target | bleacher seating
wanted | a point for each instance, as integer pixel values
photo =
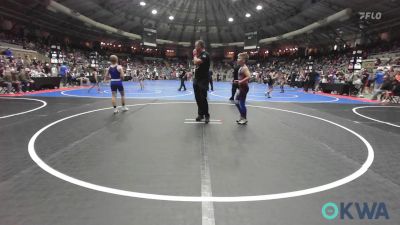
(386, 55)
(19, 51)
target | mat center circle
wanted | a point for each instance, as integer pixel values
(364, 168)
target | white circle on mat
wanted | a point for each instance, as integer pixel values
(24, 112)
(272, 99)
(280, 97)
(138, 93)
(370, 118)
(129, 97)
(363, 169)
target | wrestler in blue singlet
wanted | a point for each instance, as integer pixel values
(116, 82)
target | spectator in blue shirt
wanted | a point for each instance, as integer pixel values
(63, 73)
(8, 53)
(379, 79)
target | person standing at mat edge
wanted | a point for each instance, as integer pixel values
(201, 59)
(182, 77)
(64, 73)
(210, 79)
(116, 74)
(243, 83)
(234, 85)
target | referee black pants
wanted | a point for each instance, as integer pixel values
(211, 84)
(182, 85)
(200, 93)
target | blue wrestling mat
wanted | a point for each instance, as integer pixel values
(168, 90)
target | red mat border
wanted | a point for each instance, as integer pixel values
(348, 97)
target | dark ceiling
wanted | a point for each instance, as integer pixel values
(206, 19)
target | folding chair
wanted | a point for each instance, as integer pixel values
(394, 98)
(3, 89)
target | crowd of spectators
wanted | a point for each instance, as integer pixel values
(16, 73)
(379, 80)
(330, 68)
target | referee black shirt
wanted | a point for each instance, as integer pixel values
(201, 74)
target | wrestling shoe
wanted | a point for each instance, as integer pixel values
(124, 108)
(199, 118)
(242, 122)
(241, 118)
(116, 111)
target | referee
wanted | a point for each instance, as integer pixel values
(201, 59)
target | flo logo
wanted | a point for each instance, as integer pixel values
(355, 210)
(370, 15)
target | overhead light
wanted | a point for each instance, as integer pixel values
(259, 7)
(171, 18)
(230, 19)
(154, 12)
(142, 3)
(248, 15)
